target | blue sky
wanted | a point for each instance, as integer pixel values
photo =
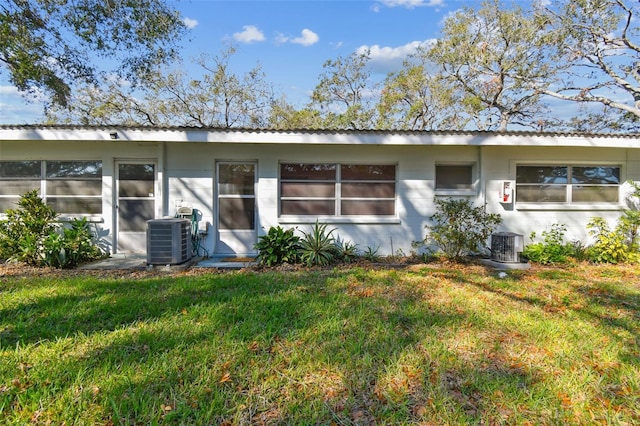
(291, 40)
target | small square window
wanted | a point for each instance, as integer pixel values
(454, 177)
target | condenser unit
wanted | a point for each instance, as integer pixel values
(506, 247)
(168, 241)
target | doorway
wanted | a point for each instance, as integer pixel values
(135, 204)
(236, 207)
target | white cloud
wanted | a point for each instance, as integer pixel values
(307, 38)
(190, 23)
(250, 34)
(17, 109)
(410, 4)
(8, 90)
(281, 38)
(388, 59)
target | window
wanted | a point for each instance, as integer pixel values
(69, 187)
(454, 177)
(567, 184)
(17, 178)
(337, 189)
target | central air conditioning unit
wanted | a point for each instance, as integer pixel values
(506, 247)
(168, 241)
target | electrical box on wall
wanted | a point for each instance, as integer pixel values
(506, 191)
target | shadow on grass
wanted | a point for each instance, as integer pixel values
(614, 306)
(246, 347)
(258, 319)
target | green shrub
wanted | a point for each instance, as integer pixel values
(552, 249)
(346, 251)
(629, 223)
(459, 229)
(23, 231)
(371, 254)
(611, 245)
(70, 246)
(318, 246)
(278, 246)
(30, 234)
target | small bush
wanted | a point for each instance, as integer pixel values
(371, 254)
(318, 246)
(346, 251)
(23, 231)
(30, 234)
(552, 249)
(460, 229)
(611, 245)
(278, 246)
(70, 246)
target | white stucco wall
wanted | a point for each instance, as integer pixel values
(186, 172)
(499, 163)
(109, 152)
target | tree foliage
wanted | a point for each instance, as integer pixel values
(342, 95)
(458, 228)
(598, 54)
(217, 98)
(49, 45)
(414, 99)
(491, 55)
(494, 67)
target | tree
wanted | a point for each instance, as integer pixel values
(493, 56)
(411, 99)
(49, 45)
(342, 94)
(226, 99)
(218, 98)
(284, 115)
(598, 51)
(112, 104)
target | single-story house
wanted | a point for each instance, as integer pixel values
(377, 188)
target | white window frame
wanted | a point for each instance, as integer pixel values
(569, 204)
(472, 189)
(338, 217)
(41, 182)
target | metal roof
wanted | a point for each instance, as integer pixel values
(317, 131)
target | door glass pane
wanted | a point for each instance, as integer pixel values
(238, 179)
(134, 214)
(136, 180)
(236, 213)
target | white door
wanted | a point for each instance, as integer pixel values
(135, 204)
(236, 208)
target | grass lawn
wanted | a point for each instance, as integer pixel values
(425, 344)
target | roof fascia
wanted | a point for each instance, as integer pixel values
(184, 135)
